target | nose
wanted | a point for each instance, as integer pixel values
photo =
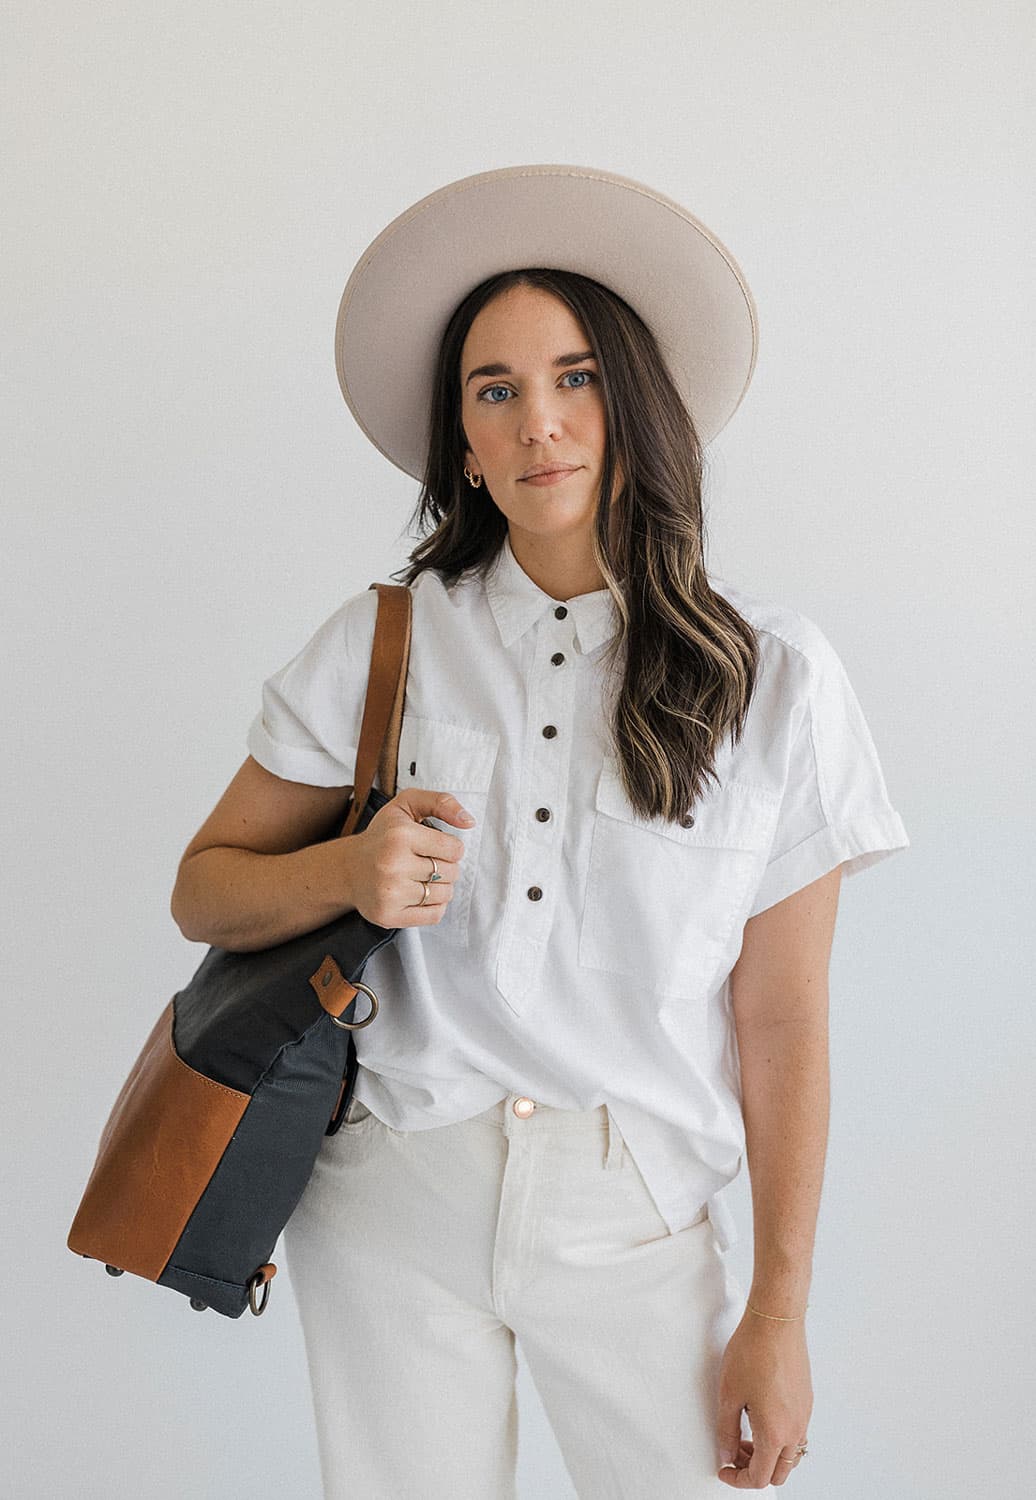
(541, 417)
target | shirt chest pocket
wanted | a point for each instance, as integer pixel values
(457, 758)
(662, 900)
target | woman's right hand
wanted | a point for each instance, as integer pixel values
(396, 845)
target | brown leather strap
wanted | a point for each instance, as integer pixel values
(378, 749)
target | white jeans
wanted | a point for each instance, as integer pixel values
(417, 1258)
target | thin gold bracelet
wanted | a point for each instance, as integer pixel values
(773, 1316)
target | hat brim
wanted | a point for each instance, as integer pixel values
(667, 265)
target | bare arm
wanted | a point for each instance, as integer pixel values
(262, 867)
(253, 876)
(779, 994)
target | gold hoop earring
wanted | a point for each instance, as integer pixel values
(473, 479)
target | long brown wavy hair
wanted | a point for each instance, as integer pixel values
(690, 659)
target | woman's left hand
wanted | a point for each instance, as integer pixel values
(765, 1371)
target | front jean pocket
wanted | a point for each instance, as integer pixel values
(458, 758)
(661, 898)
(356, 1115)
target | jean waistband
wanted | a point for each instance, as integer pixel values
(547, 1118)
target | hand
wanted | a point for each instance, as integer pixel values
(394, 852)
(765, 1372)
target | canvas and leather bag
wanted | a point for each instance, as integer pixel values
(215, 1132)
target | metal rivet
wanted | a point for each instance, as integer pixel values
(325, 979)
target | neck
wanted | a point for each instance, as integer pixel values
(562, 567)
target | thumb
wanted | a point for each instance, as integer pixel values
(728, 1434)
(421, 804)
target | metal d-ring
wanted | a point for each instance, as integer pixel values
(254, 1283)
(356, 1025)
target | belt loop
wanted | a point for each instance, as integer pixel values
(614, 1156)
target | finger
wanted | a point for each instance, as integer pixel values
(760, 1470)
(445, 872)
(442, 805)
(433, 893)
(786, 1464)
(739, 1478)
(435, 841)
(754, 1470)
(743, 1458)
(446, 851)
(728, 1432)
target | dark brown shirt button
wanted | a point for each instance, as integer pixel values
(560, 612)
(534, 893)
(687, 820)
(542, 814)
(549, 731)
(557, 658)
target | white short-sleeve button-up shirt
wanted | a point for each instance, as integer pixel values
(585, 955)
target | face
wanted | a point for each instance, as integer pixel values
(528, 411)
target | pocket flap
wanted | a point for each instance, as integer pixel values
(446, 757)
(734, 815)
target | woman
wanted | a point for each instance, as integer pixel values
(626, 794)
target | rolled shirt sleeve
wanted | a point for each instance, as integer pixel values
(308, 728)
(835, 808)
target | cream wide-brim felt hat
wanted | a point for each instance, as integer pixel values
(664, 262)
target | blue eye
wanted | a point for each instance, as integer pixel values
(590, 378)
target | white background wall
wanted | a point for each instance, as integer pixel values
(185, 497)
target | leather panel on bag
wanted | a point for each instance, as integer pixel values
(147, 1180)
(331, 987)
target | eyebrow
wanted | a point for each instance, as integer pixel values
(562, 360)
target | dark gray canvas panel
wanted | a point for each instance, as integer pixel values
(265, 1168)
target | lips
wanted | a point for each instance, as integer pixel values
(550, 469)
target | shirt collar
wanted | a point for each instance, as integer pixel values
(518, 602)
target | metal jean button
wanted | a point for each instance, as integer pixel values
(523, 1107)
